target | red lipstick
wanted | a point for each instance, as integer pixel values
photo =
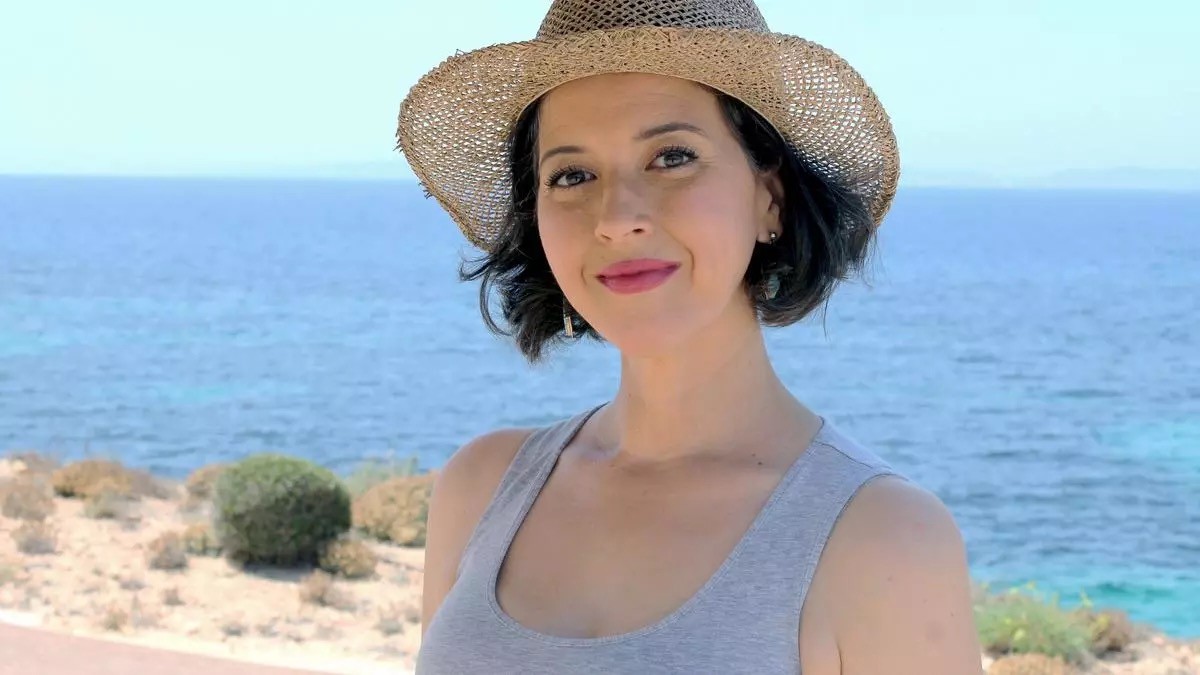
(637, 275)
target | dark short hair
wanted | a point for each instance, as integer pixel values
(826, 237)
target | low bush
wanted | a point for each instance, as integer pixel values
(278, 510)
(171, 597)
(1022, 621)
(26, 498)
(88, 477)
(34, 462)
(349, 558)
(109, 499)
(199, 484)
(36, 538)
(115, 618)
(396, 510)
(1111, 629)
(319, 588)
(167, 552)
(200, 539)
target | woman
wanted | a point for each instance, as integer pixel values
(669, 177)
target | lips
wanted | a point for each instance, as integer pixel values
(636, 275)
(636, 266)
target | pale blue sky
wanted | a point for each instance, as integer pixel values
(1000, 89)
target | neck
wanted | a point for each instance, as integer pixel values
(714, 395)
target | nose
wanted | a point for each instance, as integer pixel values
(623, 210)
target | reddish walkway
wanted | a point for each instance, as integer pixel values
(30, 651)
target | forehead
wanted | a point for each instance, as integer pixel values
(616, 101)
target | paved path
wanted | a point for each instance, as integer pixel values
(33, 651)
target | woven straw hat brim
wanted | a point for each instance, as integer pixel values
(454, 124)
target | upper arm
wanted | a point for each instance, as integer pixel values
(903, 585)
(461, 493)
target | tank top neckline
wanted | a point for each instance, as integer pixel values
(573, 426)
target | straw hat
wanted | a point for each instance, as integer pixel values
(454, 123)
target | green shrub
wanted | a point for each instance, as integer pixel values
(278, 510)
(396, 510)
(1021, 621)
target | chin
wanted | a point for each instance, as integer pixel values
(646, 337)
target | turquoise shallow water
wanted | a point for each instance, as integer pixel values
(1030, 357)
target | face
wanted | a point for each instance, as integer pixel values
(635, 166)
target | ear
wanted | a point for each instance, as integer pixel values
(768, 203)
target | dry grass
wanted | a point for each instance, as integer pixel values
(349, 558)
(167, 552)
(200, 483)
(393, 618)
(319, 588)
(233, 627)
(89, 477)
(36, 538)
(26, 498)
(1112, 630)
(201, 539)
(1030, 664)
(109, 503)
(171, 597)
(131, 583)
(35, 462)
(115, 617)
(142, 617)
(395, 510)
(10, 573)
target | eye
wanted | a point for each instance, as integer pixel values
(571, 173)
(676, 155)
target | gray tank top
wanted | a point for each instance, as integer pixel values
(745, 619)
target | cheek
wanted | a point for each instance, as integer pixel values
(563, 250)
(714, 221)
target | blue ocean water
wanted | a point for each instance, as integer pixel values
(1031, 357)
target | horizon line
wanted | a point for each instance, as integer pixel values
(1132, 179)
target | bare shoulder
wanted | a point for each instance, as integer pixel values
(462, 490)
(478, 464)
(893, 515)
(897, 566)
(465, 485)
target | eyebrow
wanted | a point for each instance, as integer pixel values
(643, 135)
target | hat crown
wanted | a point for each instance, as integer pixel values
(577, 16)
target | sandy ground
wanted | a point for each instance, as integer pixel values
(98, 584)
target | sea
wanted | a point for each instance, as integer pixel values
(1031, 357)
